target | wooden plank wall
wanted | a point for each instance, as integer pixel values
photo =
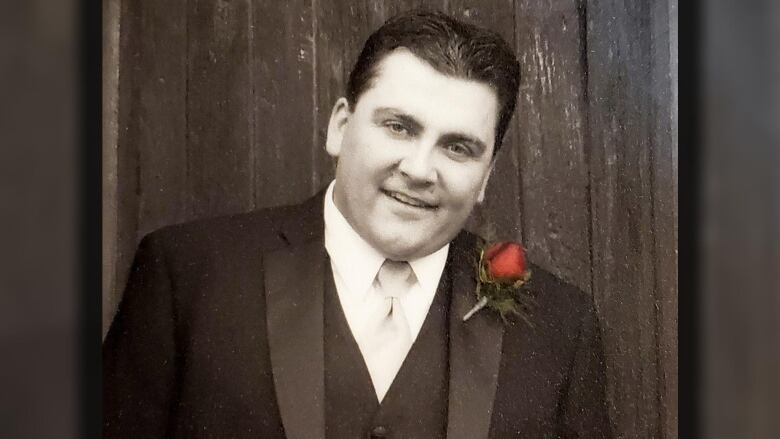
(223, 106)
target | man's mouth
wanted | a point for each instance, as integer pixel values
(409, 200)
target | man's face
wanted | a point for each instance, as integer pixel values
(414, 156)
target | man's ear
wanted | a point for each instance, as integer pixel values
(339, 118)
(481, 195)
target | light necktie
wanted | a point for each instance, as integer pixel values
(388, 339)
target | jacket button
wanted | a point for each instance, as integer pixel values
(378, 432)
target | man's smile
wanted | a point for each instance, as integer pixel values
(410, 200)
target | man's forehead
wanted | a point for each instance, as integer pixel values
(409, 84)
(401, 67)
(401, 61)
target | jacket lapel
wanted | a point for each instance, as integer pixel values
(294, 282)
(475, 350)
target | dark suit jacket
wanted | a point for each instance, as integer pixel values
(220, 334)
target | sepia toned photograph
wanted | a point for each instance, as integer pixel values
(398, 219)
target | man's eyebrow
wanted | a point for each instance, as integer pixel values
(414, 125)
(395, 113)
(465, 138)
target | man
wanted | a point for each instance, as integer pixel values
(342, 317)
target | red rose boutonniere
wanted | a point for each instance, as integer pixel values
(501, 274)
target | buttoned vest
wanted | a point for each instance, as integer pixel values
(416, 403)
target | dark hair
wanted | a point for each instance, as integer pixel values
(452, 48)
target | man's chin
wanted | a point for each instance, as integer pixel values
(405, 250)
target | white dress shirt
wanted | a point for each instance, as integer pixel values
(355, 264)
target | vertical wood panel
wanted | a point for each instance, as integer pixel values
(281, 76)
(110, 223)
(219, 107)
(552, 128)
(500, 213)
(623, 246)
(341, 30)
(664, 177)
(130, 73)
(162, 178)
(150, 183)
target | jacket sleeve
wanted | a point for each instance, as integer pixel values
(139, 351)
(585, 412)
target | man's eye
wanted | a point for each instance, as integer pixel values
(397, 128)
(459, 149)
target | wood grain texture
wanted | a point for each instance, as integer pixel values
(500, 214)
(552, 127)
(282, 46)
(665, 214)
(110, 218)
(128, 130)
(623, 245)
(162, 159)
(150, 182)
(220, 171)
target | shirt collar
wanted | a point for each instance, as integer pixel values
(358, 262)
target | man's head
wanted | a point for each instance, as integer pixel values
(452, 48)
(416, 135)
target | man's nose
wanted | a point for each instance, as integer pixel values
(418, 165)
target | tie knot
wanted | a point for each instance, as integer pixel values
(394, 277)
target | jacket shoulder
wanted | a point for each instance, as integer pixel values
(561, 309)
(260, 230)
(558, 293)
